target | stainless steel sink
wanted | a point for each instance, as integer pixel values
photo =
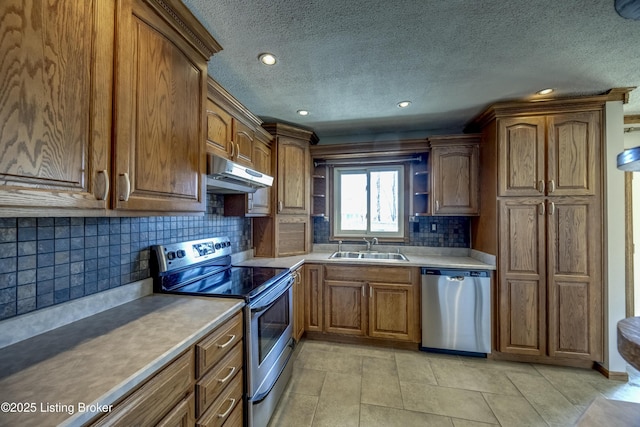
(369, 255)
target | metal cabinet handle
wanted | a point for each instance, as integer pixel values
(231, 338)
(228, 411)
(370, 292)
(552, 186)
(126, 185)
(225, 379)
(238, 150)
(103, 185)
(233, 149)
(363, 290)
(542, 208)
(279, 206)
(552, 208)
(437, 205)
(541, 186)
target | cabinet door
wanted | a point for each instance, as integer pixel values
(159, 112)
(292, 235)
(313, 301)
(574, 277)
(521, 147)
(573, 154)
(455, 180)
(298, 304)
(219, 130)
(180, 416)
(243, 137)
(260, 203)
(521, 268)
(344, 307)
(293, 176)
(391, 311)
(55, 107)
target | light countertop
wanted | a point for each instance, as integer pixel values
(101, 358)
(415, 260)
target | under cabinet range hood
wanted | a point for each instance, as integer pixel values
(227, 177)
(629, 160)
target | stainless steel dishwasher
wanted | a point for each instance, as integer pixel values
(456, 311)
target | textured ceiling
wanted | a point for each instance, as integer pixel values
(349, 62)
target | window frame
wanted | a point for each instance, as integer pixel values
(338, 234)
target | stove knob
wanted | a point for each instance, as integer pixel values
(171, 255)
(217, 245)
(180, 253)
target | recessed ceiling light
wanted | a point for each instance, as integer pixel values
(544, 91)
(303, 112)
(404, 104)
(267, 59)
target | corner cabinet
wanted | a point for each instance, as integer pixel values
(288, 231)
(542, 166)
(120, 123)
(454, 170)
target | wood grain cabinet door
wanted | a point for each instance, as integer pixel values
(573, 154)
(521, 148)
(293, 176)
(345, 307)
(521, 267)
(260, 201)
(160, 114)
(313, 297)
(574, 278)
(219, 130)
(55, 106)
(455, 180)
(391, 311)
(243, 137)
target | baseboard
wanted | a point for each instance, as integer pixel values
(615, 376)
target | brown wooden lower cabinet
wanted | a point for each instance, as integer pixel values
(313, 297)
(202, 387)
(372, 301)
(298, 303)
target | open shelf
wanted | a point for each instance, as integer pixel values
(420, 187)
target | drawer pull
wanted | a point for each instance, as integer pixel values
(231, 338)
(228, 411)
(225, 379)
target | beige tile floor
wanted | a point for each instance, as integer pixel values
(351, 385)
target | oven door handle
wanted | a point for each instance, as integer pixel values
(259, 398)
(272, 301)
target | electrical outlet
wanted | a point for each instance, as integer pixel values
(434, 227)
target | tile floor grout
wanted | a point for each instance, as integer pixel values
(434, 389)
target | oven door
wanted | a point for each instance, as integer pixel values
(270, 337)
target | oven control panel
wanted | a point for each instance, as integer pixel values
(177, 255)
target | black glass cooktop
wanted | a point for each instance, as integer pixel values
(234, 282)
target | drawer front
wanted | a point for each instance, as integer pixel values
(214, 347)
(214, 381)
(222, 409)
(235, 419)
(371, 273)
(151, 402)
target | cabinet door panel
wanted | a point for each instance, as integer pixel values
(55, 105)
(293, 176)
(455, 180)
(344, 307)
(573, 141)
(261, 199)
(243, 137)
(391, 311)
(313, 298)
(159, 115)
(218, 130)
(574, 277)
(521, 146)
(521, 268)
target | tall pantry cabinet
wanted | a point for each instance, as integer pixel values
(542, 168)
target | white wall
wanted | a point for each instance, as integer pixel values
(615, 250)
(632, 139)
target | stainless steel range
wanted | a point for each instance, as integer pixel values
(203, 268)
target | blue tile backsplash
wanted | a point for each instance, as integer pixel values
(452, 232)
(47, 261)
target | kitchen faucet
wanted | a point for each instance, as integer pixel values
(373, 241)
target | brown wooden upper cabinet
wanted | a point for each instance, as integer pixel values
(58, 153)
(454, 169)
(552, 155)
(293, 176)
